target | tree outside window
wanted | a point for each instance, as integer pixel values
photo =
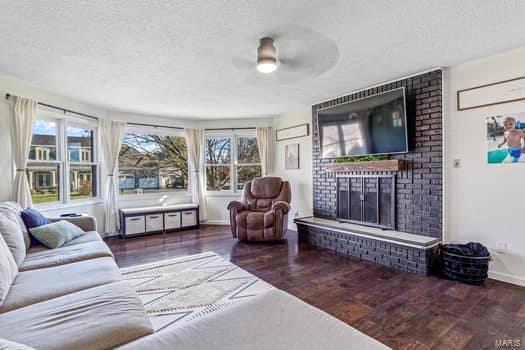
(152, 163)
(228, 168)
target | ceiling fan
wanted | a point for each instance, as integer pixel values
(298, 54)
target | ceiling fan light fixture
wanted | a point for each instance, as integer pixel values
(266, 56)
(266, 67)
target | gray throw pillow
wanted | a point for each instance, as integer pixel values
(14, 238)
(8, 269)
(56, 234)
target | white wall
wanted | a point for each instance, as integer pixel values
(217, 204)
(300, 179)
(484, 203)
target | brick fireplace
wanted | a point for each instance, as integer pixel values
(419, 182)
(408, 200)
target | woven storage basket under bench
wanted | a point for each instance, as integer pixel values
(158, 219)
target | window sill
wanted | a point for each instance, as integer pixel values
(136, 196)
(72, 204)
(222, 194)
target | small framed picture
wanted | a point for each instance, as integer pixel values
(292, 156)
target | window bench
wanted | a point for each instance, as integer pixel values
(158, 219)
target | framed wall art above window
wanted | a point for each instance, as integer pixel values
(292, 132)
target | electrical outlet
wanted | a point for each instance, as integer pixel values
(457, 163)
(501, 247)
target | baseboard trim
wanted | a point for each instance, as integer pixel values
(505, 277)
(215, 222)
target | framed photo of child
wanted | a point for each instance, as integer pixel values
(506, 138)
(292, 156)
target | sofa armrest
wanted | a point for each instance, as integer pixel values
(237, 205)
(86, 223)
(281, 205)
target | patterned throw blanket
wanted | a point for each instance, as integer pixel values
(185, 289)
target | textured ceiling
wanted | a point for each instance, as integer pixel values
(191, 58)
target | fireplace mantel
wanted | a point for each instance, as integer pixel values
(372, 165)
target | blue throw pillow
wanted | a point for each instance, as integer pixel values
(33, 218)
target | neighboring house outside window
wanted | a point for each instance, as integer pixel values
(152, 162)
(231, 161)
(48, 170)
(83, 168)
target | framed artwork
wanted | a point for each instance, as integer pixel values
(292, 156)
(506, 138)
(292, 132)
(491, 94)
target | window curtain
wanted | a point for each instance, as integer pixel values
(24, 115)
(264, 144)
(111, 133)
(195, 143)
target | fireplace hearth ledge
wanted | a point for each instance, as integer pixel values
(400, 250)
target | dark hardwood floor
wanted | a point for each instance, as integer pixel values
(401, 310)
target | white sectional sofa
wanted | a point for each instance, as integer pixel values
(74, 297)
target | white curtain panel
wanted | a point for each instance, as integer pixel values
(195, 143)
(24, 115)
(264, 144)
(111, 133)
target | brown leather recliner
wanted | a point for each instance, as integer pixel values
(263, 213)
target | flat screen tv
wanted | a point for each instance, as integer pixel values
(368, 126)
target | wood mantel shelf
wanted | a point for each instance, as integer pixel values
(372, 165)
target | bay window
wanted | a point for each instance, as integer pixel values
(153, 162)
(230, 162)
(82, 165)
(63, 151)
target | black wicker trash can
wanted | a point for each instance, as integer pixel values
(467, 263)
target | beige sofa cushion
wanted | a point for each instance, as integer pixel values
(90, 236)
(97, 318)
(86, 223)
(12, 234)
(8, 270)
(13, 229)
(12, 210)
(270, 320)
(65, 255)
(11, 345)
(30, 287)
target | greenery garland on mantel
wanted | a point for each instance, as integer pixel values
(362, 158)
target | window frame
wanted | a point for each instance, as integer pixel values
(95, 158)
(62, 157)
(234, 160)
(162, 132)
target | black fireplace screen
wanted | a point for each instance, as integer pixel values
(367, 199)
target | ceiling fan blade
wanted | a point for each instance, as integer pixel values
(242, 63)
